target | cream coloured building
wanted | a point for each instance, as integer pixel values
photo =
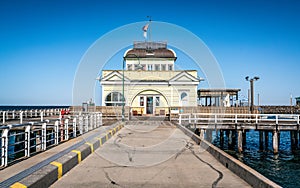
(151, 84)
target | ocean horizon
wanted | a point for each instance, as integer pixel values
(30, 107)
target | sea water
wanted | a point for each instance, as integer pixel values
(282, 168)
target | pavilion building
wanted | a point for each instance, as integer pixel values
(149, 82)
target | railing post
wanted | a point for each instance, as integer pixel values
(66, 129)
(44, 136)
(298, 119)
(80, 125)
(195, 118)
(91, 122)
(13, 114)
(4, 150)
(98, 119)
(235, 118)
(256, 118)
(42, 116)
(216, 121)
(276, 119)
(102, 116)
(86, 118)
(179, 119)
(35, 113)
(190, 120)
(74, 126)
(27, 141)
(56, 125)
(26, 114)
(3, 115)
(21, 117)
(95, 120)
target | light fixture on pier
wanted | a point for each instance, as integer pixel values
(251, 80)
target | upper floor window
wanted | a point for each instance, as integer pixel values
(129, 67)
(149, 68)
(157, 68)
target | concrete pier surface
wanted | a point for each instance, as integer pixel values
(150, 154)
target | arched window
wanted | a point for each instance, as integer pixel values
(184, 99)
(114, 99)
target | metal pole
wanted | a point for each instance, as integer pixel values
(252, 96)
(123, 98)
(251, 80)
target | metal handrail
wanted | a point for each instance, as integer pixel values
(236, 118)
(34, 113)
(23, 140)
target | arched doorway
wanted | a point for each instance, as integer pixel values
(149, 102)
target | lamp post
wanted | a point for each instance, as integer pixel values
(251, 80)
(123, 92)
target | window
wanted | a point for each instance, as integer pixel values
(163, 67)
(129, 67)
(143, 67)
(183, 96)
(149, 67)
(157, 101)
(114, 99)
(170, 67)
(142, 101)
(137, 67)
(157, 67)
(184, 99)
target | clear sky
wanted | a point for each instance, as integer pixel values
(42, 42)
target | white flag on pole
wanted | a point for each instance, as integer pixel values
(145, 29)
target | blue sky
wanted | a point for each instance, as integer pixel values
(42, 42)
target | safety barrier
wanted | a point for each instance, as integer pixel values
(54, 170)
(25, 139)
(216, 118)
(21, 114)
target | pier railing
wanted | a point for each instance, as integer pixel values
(220, 118)
(22, 140)
(21, 114)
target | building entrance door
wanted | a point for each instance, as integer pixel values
(149, 106)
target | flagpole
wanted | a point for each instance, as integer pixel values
(149, 28)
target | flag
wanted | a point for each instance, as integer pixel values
(145, 28)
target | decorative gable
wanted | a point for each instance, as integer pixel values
(184, 78)
(114, 77)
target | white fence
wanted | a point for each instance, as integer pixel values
(219, 118)
(20, 114)
(24, 139)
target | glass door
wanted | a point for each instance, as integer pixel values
(149, 105)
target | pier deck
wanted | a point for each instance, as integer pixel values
(148, 154)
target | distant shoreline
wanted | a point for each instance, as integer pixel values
(30, 107)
